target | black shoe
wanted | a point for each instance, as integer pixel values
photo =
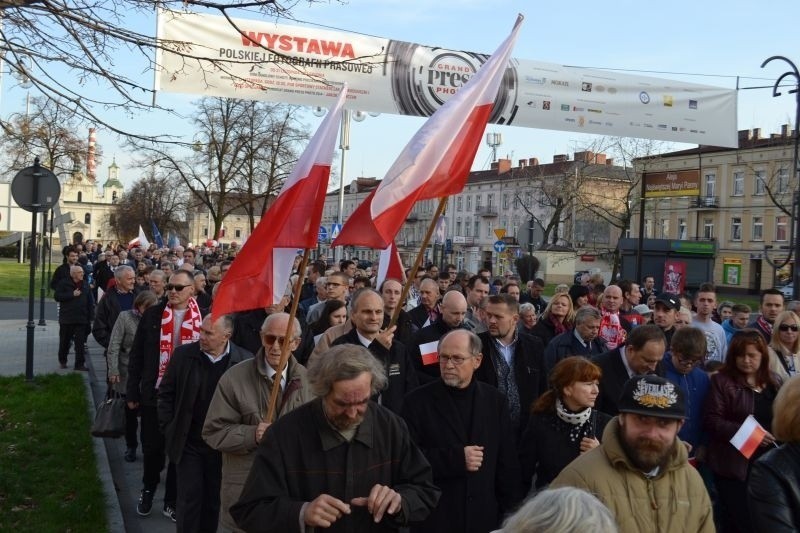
(81, 368)
(63, 365)
(145, 503)
(130, 455)
(169, 512)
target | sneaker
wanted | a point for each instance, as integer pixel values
(145, 503)
(169, 512)
(130, 455)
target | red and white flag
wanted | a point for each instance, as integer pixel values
(429, 352)
(140, 241)
(389, 265)
(437, 160)
(749, 436)
(259, 276)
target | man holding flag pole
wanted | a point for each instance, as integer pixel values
(434, 164)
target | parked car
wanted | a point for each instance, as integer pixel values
(787, 290)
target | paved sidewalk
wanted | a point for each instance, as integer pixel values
(121, 481)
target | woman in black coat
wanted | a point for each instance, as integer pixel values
(773, 488)
(556, 318)
(563, 423)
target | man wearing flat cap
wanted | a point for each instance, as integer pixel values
(640, 470)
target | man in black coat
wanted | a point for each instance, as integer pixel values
(367, 316)
(115, 300)
(513, 362)
(464, 430)
(74, 316)
(642, 354)
(422, 350)
(581, 340)
(183, 399)
(428, 309)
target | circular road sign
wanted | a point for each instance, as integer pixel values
(35, 188)
(499, 246)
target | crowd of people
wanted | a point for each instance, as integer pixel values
(485, 405)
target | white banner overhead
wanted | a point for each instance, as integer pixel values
(306, 66)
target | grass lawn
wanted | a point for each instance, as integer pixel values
(14, 279)
(48, 475)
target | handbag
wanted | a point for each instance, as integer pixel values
(109, 420)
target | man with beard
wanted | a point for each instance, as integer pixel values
(340, 462)
(641, 471)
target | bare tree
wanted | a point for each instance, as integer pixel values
(80, 53)
(243, 150)
(48, 130)
(152, 197)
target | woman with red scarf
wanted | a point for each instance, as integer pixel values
(557, 318)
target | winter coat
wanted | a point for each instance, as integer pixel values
(773, 493)
(119, 347)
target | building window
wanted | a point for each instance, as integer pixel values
(87, 218)
(664, 230)
(237, 233)
(113, 196)
(112, 219)
(489, 229)
(517, 201)
(711, 182)
(761, 184)
(736, 228)
(459, 203)
(783, 181)
(738, 184)
(682, 229)
(781, 226)
(458, 227)
(758, 229)
(467, 228)
(505, 201)
(478, 201)
(708, 228)
(80, 196)
(205, 232)
(648, 228)
(477, 231)
(469, 203)
(489, 200)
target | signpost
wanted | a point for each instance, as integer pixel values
(35, 189)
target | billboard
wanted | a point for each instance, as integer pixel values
(672, 183)
(251, 59)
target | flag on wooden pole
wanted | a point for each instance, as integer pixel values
(437, 160)
(259, 276)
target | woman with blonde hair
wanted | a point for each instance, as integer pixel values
(556, 318)
(773, 496)
(784, 348)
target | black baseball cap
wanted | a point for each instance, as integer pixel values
(670, 300)
(652, 395)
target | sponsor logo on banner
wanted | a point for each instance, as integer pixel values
(586, 87)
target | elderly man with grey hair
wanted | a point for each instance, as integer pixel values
(582, 340)
(340, 461)
(115, 300)
(236, 419)
(75, 298)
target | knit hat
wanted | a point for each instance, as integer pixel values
(652, 395)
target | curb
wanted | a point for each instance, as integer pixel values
(113, 511)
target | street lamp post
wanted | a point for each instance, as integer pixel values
(793, 72)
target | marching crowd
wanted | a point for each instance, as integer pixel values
(486, 405)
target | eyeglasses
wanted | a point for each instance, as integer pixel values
(689, 360)
(788, 327)
(272, 339)
(457, 360)
(175, 287)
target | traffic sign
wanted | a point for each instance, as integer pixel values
(335, 229)
(499, 246)
(518, 252)
(35, 189)
(322, 236)
(500, 232)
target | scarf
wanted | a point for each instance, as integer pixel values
(189, 332)
(764, 326)
(577, 421)
(558, 326)
(611, 330)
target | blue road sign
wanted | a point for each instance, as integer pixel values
(499, 246)
(518, 252)
(335, 229)
(322, 236)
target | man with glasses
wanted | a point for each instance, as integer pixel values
(337, 287)
(236, 419)
(683, 367)
(340, 461)
(164, 326)
(463, 427)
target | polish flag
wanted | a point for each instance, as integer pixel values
(429, 353)
(259, 276)
(389, 265)
(437, 160)
(749, 436)
(140, 241)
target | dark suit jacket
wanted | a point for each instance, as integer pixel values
(402, 378)
(473, 502)
(529, 369)
(418, 316)
(615, 375)
(565, 345)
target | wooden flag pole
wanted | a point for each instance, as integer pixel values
(285, 352)
(418, 262)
